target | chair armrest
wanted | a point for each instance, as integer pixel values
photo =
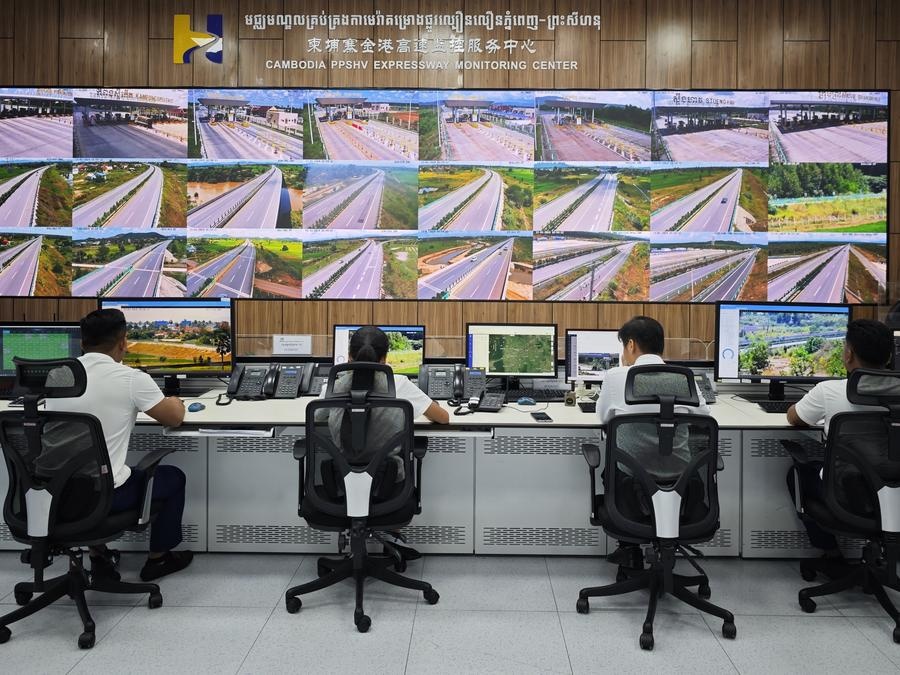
(149, 463)
(591, 453)
(720, 463)
(796, 451)
(420, 446)
(300, 449)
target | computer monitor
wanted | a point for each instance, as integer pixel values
(34, 340)
(512, 350)
(780, 343)
(406, 346)
(896, 362)
(178, 337)
(590, 353)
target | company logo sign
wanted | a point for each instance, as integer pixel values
(186, 40)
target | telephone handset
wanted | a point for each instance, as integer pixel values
(705, 387)
(257, 381)
(454, 383)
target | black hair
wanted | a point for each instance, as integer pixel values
(102, 329)
(871, 341)
(647, 333)
(369, 343)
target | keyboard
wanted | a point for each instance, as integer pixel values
(588, 406)
(775, 406)
(539, 395)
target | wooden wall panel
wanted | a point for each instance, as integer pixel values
(395, 312)
(713, 65)
(888, 19)
(535, 79)
(81, 19)
(36, 49)
(668, 44)
(358, 77)
(251, 68)
(161, 17)
(394, 77)
(7, 22)
(853, 35)
(714, 20)
(309, 317)
(807, 19)
(443, 322)
(225, 74)
(760, 38)
(572, 315)
(163, 73)
(36, 309)
(894, 194)
(7, 47)
(483, 312)
(349, 311)
(295, 44)
(523, 312)
(806, 65)
(581, 44)
(125, 49)
(450, 78)
(81, 61)
(894, 152)
(73, 309)
(624, 20)
(254, 325)
(623, 64)
(260, 7)
(887, 65)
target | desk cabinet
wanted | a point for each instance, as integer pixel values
(727, 540)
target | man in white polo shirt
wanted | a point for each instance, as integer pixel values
(868, 344)
(114, 395)
(643, 342)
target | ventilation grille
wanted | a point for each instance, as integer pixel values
(726, 446)
(154, 442)
(435, 534)
(847, 543)
(279, 444)
(771, 447)
(536, 445)
(722, 539)
(541, 536)
(190, 534)
(4, 534)
(455, 446)
(271, 534)
(779, 539)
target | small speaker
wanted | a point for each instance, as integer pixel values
(570, 398)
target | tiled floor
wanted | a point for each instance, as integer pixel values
(496, 615)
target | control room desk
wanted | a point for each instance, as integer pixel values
(492, 482)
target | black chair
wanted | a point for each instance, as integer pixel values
(660, 490)
(860, 495)
(60, 493)
(357, 477)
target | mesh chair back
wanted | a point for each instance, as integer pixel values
(359, 442)
(660, 477)
(862, 455)
(60, 482)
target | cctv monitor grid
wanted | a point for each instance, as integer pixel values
(666, 196)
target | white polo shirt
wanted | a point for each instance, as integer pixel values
(114, 395)
(406, 390)
(826, 400)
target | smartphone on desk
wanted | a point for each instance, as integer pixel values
(541, 417)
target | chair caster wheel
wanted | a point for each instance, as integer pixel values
(583, 606)
(22, 598)
(896, 635)
(431, 596)
(808, 605)
(729, 630)
(363, 623)
(5, 634)
(400, 566)
(86, 640)
(704, 592)
(807, 573)
(647, 641)
(154, 601)
(292, 605)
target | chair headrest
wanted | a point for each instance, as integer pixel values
(56, 378)
(874, 387)
(655, 383)
(371, 378)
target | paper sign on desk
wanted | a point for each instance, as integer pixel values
(291, 345)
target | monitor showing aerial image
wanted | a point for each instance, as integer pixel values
(693, 196)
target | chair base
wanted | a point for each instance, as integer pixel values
(358, 565)
(865, 575)
(660, 579)
(73, 584)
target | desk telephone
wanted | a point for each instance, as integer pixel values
(705, 387)
(460, 386)
(255, 381)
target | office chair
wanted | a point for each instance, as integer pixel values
(860, 495)
(660, 491)
(357, 478)
(60, 493)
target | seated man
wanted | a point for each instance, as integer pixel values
(114, 395)
(643, 342)
(868, 344)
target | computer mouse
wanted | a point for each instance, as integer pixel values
(525, 400)
(196, 407)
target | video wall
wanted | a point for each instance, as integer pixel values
(668, 196)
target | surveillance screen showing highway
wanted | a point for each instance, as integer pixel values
(609, 196)
(791, 343)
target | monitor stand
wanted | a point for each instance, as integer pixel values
(775, 393)
(171, 385)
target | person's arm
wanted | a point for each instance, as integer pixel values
(794, 419)
(437, 414)
(169, 412)
(809, 410)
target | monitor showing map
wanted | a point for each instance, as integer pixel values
(515, 350)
